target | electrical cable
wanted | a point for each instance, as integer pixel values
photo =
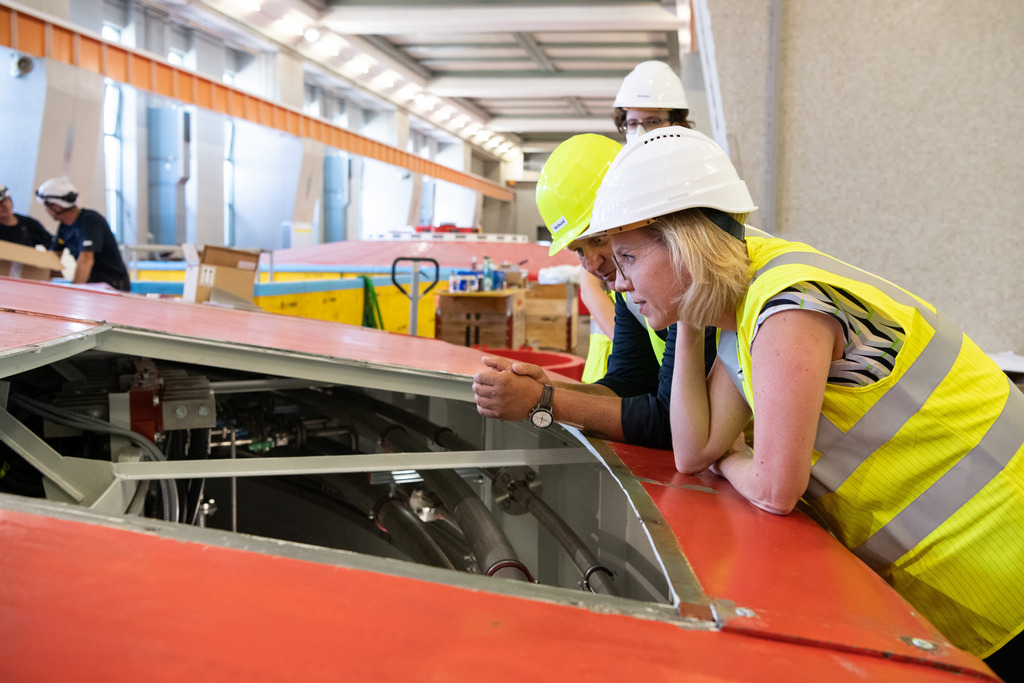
(87, 423)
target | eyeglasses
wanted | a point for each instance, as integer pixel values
(648, 124)
(618, 267)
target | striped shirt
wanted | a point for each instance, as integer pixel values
(872, 341)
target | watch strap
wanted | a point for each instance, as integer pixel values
(546, 396)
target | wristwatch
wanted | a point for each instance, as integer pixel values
(541, 416)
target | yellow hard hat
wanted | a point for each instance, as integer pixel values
(568, 185)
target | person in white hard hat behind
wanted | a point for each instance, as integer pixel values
(650, 97)
(902, 436)
(86, 234)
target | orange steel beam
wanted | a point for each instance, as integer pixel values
(39, 36)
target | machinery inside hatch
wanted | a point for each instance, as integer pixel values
(554, 518)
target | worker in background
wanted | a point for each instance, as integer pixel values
(903, 436)
(630, 402)
(651, 96)
(20, 229)
(86, 234)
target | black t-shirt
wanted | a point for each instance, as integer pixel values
(90, 232)
(28, 232)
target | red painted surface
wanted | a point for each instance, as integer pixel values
(448, 253)
(89, 603)
(86, 602)
(22, 330)
(801, 583)
(55, 308)
(564, 364)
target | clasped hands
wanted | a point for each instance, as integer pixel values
(508, 390)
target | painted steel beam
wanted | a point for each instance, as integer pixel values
(570, 124)
(347, 464)
(491, 18)
(315, 369)
(510, 87)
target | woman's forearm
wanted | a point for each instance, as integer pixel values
(690, 411)
(776, 495)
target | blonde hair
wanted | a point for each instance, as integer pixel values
(717, 262)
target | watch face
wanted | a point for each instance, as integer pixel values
(541, 419)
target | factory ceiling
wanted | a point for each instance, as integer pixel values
(504, 74)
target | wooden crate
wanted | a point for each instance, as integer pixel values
(552, 317)
(495, 319)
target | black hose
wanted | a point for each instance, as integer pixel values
(495, 555)
(596, 577)
(85, 423)
(393, 517)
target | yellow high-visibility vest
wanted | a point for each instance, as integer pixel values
(596, 366)
(921, 473)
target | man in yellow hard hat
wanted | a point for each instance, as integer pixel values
(630, 402)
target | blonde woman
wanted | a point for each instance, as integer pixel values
(868, 403)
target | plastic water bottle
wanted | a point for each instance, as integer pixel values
(488, 274)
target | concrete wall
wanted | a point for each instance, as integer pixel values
(887, 134)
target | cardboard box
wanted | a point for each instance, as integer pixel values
(514, 276)
(219, 274)
(552, 317)
(17, 260)
(493, 319)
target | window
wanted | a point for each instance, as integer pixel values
(112, 156)
(311, 100)
(111, 32)
(426, 212)
(335, 111)
(229, 183)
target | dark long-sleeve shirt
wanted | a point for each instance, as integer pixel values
(644, 384)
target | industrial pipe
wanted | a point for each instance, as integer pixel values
(596, 577)
(393, 517)
(494, 553)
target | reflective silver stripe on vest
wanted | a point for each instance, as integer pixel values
(953, 489)
(888, 415)
(843, 453)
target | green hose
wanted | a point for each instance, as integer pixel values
(371, 309)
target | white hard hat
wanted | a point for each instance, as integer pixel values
(57, 191)
(4, 192)
(664, 171)
(651, 85)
